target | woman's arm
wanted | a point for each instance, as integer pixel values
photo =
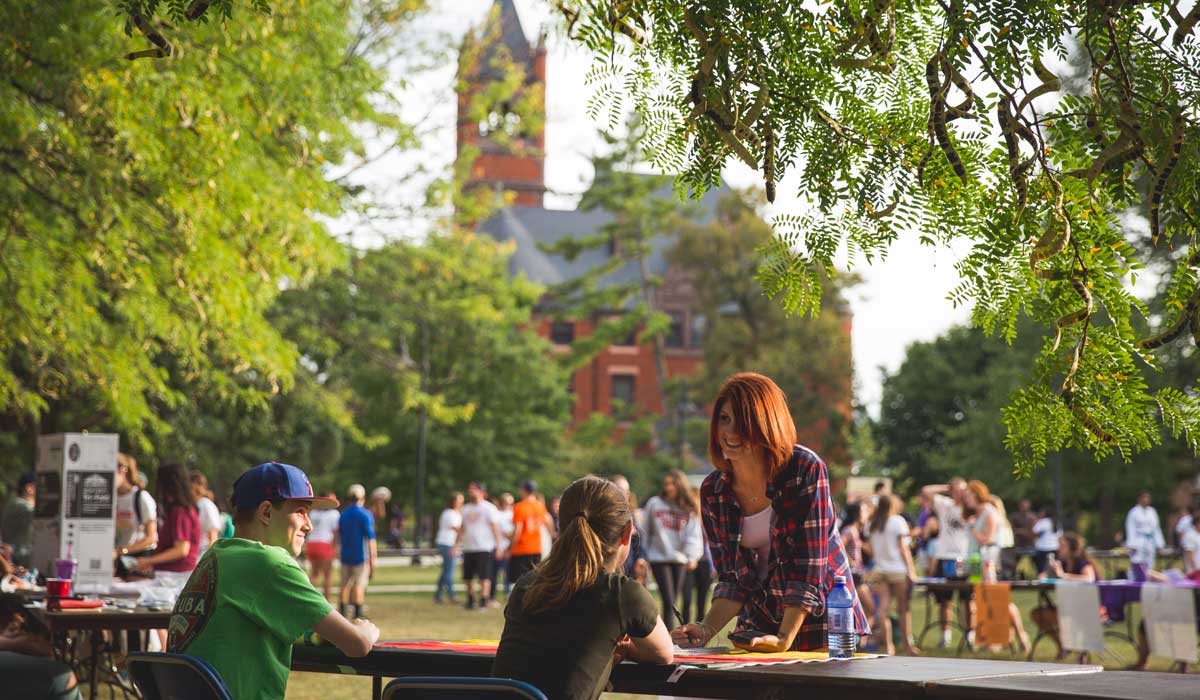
(178, 551)
(793, 620)
(698, 634)
(906, 553)
(987, 533)
(693, 541)
(147, 542)
(654, 648)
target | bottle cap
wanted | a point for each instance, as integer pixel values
(839, 580)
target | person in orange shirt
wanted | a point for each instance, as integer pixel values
(529, 517)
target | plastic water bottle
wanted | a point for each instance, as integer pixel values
(839, 606)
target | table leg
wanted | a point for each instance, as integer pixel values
(376, 687)
(96, 635)
(930, 604)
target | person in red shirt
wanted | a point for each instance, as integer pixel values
(179, 539)
(529, 517)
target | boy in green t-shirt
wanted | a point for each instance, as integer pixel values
(248, 599)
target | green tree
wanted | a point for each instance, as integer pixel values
(623, 304)
(437, 325)
(153, 210)
(940, 417)
(1029, 130)
(809, 357)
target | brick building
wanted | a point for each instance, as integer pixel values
(626, 371)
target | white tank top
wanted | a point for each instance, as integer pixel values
(756, 536)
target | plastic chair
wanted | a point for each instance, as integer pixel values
(457, 688)
(176, 677)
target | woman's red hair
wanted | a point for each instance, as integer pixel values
(760, 418)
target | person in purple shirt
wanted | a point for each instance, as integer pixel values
(356, 530)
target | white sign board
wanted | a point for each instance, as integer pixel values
(76, 504)
(1170, 614)
(1079, 625)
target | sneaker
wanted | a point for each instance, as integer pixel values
(945, 639)
(470, 603)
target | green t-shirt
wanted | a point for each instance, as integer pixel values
(240, 610)
(567, 653)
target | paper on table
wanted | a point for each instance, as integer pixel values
(1079, 616)
(1170, 621)
(698, 651)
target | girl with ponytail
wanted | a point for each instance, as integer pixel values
(568, 619)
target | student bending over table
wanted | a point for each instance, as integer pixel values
(248, 599)
(573, 616)
(770, 524)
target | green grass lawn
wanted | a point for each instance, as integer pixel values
(413, 615)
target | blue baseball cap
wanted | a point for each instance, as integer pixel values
(275, 481)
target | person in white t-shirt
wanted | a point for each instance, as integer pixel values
(449, 524)
(1046, 540)
(1184, 524)
(504, 507)
(894, 573)
(480, 542)
(952, 545)
(211, 522)
(1191, 548)
(137, 513)
(320, 543)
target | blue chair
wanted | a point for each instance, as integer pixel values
(176, 677)
(455, 688)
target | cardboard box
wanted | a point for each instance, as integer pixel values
(76, 504)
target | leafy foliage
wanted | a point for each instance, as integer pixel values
(1049, 135)
(153, 210)
(437, 325)
(809, 356)
(619, 291)
(940, 417)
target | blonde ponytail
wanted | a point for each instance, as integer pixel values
(594, 514)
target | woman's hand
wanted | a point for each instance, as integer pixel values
(143, 567)
(1058, 569)
(692, 635)
(623, 649)
(766, 644)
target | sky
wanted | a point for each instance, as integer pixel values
(901, 300)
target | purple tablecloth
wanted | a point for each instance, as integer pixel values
(1115, 595)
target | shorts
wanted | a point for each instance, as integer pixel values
(318, 551)
(878, 578)
(946, 596)
(478, 565)
(355, 575)
(521, 564)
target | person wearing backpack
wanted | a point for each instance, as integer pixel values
(137, 512)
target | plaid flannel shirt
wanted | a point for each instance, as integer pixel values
(806, 552)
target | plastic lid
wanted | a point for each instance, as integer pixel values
(839, 580)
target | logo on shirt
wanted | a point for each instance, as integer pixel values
(672, 520)
(194, 606)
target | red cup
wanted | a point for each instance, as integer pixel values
(58, 587)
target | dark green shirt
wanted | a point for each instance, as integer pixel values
(567, 653)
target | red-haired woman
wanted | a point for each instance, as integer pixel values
(770, 524)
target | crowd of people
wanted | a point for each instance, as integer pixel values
(961, 530)
(502, 539)
(762, 528)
